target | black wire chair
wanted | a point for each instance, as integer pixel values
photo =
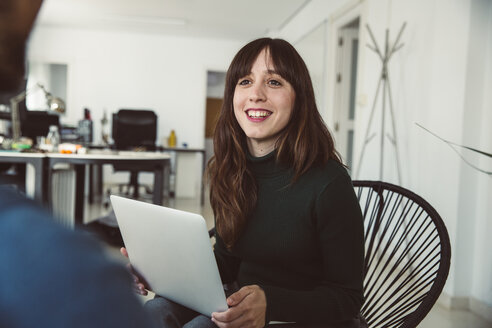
(407, 255)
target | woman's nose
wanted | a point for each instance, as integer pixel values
(257, 92)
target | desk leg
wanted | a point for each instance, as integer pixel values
(91, 183)
(173, 168)
(202, 191)
(158, 185)
(79, 194)
(41, 189)
(100, 178)
(95, 181)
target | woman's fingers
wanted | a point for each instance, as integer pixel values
(140, 289)
(129, 267)
(135, 277)
(124, 252)
(139, 282)
(247, 309)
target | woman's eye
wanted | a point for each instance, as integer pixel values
(275, 83)
(244, 82)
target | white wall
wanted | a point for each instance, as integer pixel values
(478, 132)
(438, 79)
(111, 70)
(312, 49)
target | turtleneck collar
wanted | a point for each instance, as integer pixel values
(266, 166)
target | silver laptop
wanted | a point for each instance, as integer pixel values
(171, 249)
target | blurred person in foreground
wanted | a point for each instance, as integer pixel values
(50, 276)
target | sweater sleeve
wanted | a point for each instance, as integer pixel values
(227, 263)
(339, 297)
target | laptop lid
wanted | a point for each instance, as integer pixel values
(173, 252)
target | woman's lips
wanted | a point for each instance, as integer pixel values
(257, 114)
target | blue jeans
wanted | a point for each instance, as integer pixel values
(168, 314)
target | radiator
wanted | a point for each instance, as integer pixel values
(63, 195)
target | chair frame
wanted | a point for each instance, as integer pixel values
(373, 228)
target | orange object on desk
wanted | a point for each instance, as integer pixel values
(68, 148)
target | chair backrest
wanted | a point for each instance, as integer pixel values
(407, 255)
(134, 128)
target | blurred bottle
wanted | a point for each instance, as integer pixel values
(171, 141)
(53, 138)
(105, 128)
(85, 127)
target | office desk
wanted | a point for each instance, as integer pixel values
(156, 162)
(37, 160)
(97, 169)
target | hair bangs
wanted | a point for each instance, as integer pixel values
(243, 62)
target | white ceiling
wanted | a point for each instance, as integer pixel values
(198, 18)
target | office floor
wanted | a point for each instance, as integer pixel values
(437, 318)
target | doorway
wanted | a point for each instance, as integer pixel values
(346, 54)
(215, 95)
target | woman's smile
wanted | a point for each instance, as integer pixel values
(258, 114)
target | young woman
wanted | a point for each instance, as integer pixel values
(289, 230)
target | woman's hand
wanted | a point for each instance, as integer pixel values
(247, 308)
(139, 283)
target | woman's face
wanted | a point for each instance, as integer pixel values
(263, 103)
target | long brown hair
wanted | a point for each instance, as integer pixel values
(302, 144)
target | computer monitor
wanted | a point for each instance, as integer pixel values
(37, 123)
(34, 123)
(134, 128)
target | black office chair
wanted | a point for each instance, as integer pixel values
(407, 255)
(134, 130)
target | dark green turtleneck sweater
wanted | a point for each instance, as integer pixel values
(303, 244)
